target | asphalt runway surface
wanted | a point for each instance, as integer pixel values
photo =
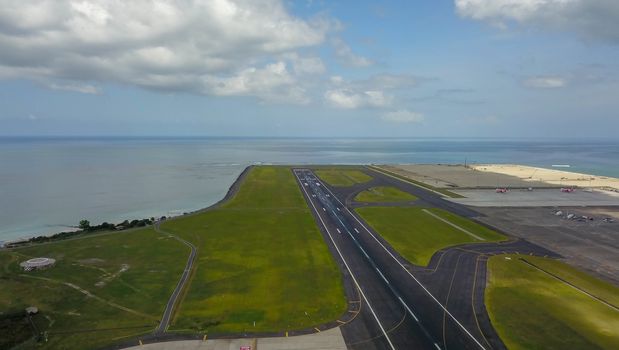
(403, 306)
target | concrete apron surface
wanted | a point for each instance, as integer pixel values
(327, 340)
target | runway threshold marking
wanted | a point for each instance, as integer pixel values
(452, 224)
(409, 273)
(352, 276)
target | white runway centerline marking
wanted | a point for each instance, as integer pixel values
(383, 276)
(410, 274)
(408, 309)
(352, 276)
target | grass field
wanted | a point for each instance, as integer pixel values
(418, 183)
(342, 177)
(260, 259)
(384, 194)
(532, 310)
(136, 270)
(417, 235)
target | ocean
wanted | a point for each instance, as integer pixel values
(48, 184)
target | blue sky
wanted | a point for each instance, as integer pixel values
(448, 68)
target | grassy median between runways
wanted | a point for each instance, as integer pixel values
(262, 259)
(417, 235)
(384, 194)
(342, 177)
(531, 309)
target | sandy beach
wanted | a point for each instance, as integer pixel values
(550, 176)
(499, 175)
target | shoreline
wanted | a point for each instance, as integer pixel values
(507, 169)
(229, 193)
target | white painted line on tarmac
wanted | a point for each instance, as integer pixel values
(338, 209)
(411, 275)
(323, 209)
(338, 230)
(356, 230)
(452, 224)
(378, 170)
(383, 276)
(408, 309)
(352, 275)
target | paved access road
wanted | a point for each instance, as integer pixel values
(405, 306)
(173, 301)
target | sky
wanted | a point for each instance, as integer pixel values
(415, 68)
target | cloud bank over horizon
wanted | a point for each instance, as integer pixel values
(474, 64)
(595, 20)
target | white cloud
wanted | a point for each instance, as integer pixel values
(545, 82)
(348, 99)
(311, 65)
(200, 46)
(347, 57)
(272, 83)
(403, 116)
(376, 91)
(81, 88)
(590, 19)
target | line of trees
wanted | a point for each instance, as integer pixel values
(85, 227)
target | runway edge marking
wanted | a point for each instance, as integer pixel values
(347, 267)
(452, 224)
(408, 272)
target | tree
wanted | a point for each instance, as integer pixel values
(84, 224)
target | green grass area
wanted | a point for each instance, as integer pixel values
(533, 310)
(262, 259)
(136, 270)
(417, 183)
(342, 177)
(384, 194)
(417, 235)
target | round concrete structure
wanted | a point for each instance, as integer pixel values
(37, 263)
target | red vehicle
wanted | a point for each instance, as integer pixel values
(502, 190)
(567, 189)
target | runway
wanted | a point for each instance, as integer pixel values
(405, 306)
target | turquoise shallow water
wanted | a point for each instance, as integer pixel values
(48, 184)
